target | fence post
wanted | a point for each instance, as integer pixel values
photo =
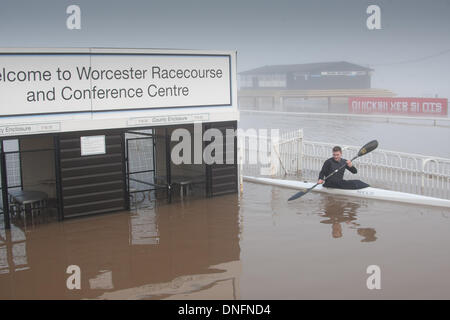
(299, 151)
(274, 157)
(422, 186)
(241, 144)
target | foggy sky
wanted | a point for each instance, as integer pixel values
(404, 54)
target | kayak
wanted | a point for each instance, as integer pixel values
(368, 193)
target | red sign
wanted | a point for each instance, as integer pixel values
(433, 107)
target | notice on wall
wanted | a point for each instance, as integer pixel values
(34, 128)
(92, 145)
(431, 107)
(145, 121)
(32, 84)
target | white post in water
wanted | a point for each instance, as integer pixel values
(241, 145)
(422, 173)
(299, 151)
(274, 159)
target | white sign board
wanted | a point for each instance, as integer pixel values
(73, 83)
(92, 145)
(81, 89)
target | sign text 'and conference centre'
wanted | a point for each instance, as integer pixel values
(72, 83)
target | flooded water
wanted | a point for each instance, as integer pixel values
(256, 246)
(253, 246)
(410, 138)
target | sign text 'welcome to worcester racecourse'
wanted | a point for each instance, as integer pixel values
(72, 83)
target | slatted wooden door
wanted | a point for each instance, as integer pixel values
(223, 178)
(92, 184)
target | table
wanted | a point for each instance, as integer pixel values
(36, 200)
(185, 183)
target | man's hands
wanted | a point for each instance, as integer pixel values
(349, 164)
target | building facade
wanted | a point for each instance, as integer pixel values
(310, 76)
(86, 131)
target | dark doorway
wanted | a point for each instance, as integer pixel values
(222, 178)
(28, 180)
(143, 185)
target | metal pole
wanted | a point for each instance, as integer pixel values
(207, 126)
(126, 168)
(7, 221)
(168, 168)
(154, 163)
(59, 193)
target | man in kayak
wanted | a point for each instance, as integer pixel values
(337, 180)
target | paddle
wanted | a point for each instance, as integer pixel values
(368, 147)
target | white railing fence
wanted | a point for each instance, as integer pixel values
(291, 156)
(387, 169)
(267, 155)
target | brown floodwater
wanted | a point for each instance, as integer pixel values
(256, 246)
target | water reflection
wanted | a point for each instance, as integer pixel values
(368, 234)
(340, 212)
(171, 251)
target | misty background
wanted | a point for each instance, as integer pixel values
(410, 54)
